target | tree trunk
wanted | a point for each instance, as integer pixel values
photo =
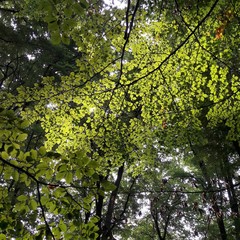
(107, 229)
(209, 188)
(232, 197)
(99, 206)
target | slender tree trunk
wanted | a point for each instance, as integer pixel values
(220, 221)
(234, 205)
(158, 229)
(218, 213)
(107, 230)
(99, 207)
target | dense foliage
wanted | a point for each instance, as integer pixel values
(117, 122)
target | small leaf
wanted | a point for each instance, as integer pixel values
(15, 176)
(22, 137)
(53, 26)
(59, 192)
(22, 198)
(24, 124)
(33, 154)
(79, 174)
(42, 165)
(60, 175)
(55, 37)
(108, 186)
(42, 151)
(69, 177)
(5, 155)
(68, 12)
(93, 164)
(33, 204)
(62, 226)
(90, 172)
(16, 146)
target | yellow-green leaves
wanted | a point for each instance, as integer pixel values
(126, 102)
(5, 155)
(22, 137)
(42, 150)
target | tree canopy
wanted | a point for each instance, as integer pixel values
(119, 120)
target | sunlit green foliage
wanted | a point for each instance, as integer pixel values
(144, 88)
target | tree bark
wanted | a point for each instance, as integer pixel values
(99, 207)
(218, 214)
(107, 229)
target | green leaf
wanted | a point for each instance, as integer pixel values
(79, 173)
(53, 26)
(51, 206)
(87, 199)
(90, 172)
(48, 174)
(6, 146)
(49, 18)
(33, 204)
(42, 151)
(43, 165)
(59, 192)
(16, 146)
(24, 124)
(33, 154)
(22, 198)
(22, 137)
(55, 37)
(62, 226)
(69, 177)
(45, 199)
(68, 12)
(2, 236)
(15, 176)
(93, 164)
(62, 168)
(5, 155)
(108, 186)
(60, 175)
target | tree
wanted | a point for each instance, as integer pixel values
(139, 88)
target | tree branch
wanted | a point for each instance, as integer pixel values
(48, 230)
(178, 47)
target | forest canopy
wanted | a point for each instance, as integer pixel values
(119, 119)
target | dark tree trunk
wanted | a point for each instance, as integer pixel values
(107, 229)
(209, 188)
(99, 207)
(220, 221)
(234, 205)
